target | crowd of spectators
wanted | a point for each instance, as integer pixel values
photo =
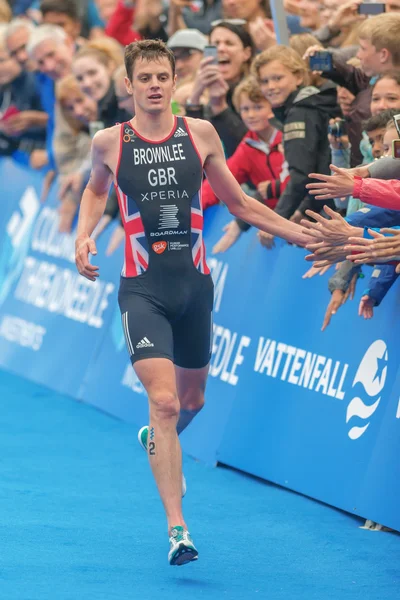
(311, 143)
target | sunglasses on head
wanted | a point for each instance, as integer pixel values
(238, 22)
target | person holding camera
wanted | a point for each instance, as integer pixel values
(218, 76)
(378, 53)
(303, 112)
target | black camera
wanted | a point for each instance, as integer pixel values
(338, 128)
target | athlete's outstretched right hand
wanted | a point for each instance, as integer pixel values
(84, 246)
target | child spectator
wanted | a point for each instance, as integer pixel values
(257, 158)
(303, 112)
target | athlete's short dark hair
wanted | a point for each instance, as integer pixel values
(149, 50)
(65, 7)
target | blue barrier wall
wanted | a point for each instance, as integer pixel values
(316, 412)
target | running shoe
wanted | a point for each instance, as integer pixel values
(182, 550)
(142, 437)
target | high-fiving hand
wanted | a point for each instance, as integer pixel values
(332, 186)
(335, 231)
(381, 248)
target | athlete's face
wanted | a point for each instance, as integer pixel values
(152, 85)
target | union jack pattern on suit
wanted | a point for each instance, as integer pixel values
(198, 248)
(136, 246)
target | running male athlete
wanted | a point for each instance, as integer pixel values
(166, 293)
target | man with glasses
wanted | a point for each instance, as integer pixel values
(188, 46)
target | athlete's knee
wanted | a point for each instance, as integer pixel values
(164, 405)
(192, 400)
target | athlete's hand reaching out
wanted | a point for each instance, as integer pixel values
(84, 246)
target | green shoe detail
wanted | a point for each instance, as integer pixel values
(182, 550)
(143, 434)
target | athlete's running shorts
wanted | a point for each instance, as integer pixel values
(173, 322)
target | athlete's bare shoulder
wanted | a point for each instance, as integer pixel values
(200, 127)
(106, 147)
(204, 136)
(106, 138)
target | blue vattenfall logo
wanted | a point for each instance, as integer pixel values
(371, 375)
(16, 244)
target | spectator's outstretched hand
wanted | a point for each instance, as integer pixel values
(67, 212)
(351, 290)
(38, 159)
(336, 301)
(47, 183)
(378, 249)
(335, 231)
(72, 182)
(366, 307)
(296, 217)
(266, 239)
(332, 186)
(315, 271)
(262, 188)
(338, 298)
(323, 254)
(232, 233)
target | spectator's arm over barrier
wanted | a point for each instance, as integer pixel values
(352, 78)
(119, 26)
(382, 279)
(385, 194)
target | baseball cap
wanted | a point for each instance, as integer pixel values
(188, 38)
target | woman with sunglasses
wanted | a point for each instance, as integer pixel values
(218, 79)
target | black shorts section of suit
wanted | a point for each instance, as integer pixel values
(175, 325)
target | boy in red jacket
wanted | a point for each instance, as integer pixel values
(258, 158)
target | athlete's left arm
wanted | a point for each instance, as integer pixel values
(227, 189)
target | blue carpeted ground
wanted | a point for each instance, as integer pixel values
(80, 520)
